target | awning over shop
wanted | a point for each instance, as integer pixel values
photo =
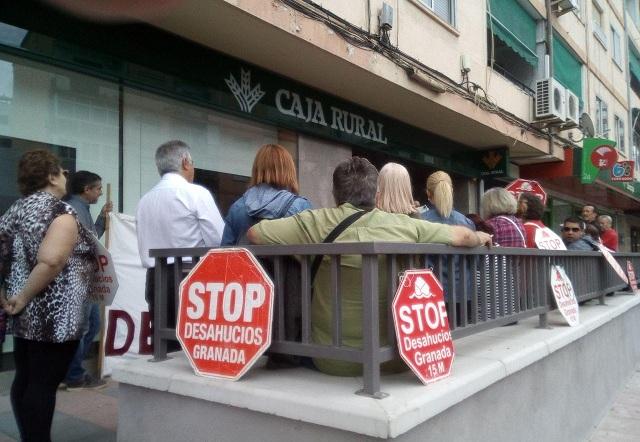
(567, 68)
(634, 61)
(513, 25)
(564, 178)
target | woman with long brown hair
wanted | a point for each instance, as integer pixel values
(272, 193)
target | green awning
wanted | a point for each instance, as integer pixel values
(513, 25)
(567, 68)
(634, 62)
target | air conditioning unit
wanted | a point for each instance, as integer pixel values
(550, 100)
(561, 7)
(572, 104)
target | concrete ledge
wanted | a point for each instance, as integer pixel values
(508, 369)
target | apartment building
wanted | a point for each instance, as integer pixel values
(432, 84)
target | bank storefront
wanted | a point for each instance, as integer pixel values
(104, 97)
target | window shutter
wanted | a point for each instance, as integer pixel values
(444, 9)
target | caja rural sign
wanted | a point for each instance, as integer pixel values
(422, 326)
(225, 313)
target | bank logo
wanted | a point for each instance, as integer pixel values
(246, 97)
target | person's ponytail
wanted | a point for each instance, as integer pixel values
(440, 192)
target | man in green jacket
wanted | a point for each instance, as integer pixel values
(354, 189)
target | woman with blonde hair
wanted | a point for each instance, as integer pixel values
(394, 190)
(440, 195)
(272, 193)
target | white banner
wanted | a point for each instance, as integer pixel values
(127, 324)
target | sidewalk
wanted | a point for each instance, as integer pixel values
(622, 422)
(84, 415)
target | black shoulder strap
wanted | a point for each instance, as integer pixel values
(337, 230)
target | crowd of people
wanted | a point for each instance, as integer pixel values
(47, 242)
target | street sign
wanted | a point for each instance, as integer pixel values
(519, 186)
(613, 263)
(104, 282)
(564, 295)
(547, 239)
(225, 313)
(633, 282)
(422, 327)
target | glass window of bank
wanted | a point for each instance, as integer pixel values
(74, 115)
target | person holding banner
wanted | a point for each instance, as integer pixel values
(46, 285)
(85, 188)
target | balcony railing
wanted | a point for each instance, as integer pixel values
(490, 288)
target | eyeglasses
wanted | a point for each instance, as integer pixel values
(571, 229)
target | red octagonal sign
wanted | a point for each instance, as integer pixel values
(225, 313)
(422, 326)
(519, 186)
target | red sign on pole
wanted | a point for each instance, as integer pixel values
(422, 326)
(519, 186)
(225, 313)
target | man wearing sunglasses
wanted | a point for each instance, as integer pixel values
(573, 235)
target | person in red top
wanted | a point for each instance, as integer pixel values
(608, 237)
(531, 209)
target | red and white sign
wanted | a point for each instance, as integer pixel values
(604, 156)
(565, 296)
(422, 326)
(519, 186)
(546, 239)
(633, 282)
(613, 263)
(104, 284)
(225, 313)
(622, 171)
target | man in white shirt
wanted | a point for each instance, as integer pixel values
(175, 213)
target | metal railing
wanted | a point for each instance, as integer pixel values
(490, 288)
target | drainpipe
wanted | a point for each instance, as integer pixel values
(549, 39)
(628, 80)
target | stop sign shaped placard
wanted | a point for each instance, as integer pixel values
(519, 186)
(225, 313)
(422, 326)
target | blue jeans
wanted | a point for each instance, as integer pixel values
(91, 327)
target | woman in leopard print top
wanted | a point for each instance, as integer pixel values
(51, 265)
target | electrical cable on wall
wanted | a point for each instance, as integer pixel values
(378, 43)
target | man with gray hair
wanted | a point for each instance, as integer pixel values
(175, 213)
(609, 236)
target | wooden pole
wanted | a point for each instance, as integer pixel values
(103, 322)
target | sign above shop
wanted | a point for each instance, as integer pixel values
(493, 163)
(604, 156)
(622, 171)
(597, 154)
